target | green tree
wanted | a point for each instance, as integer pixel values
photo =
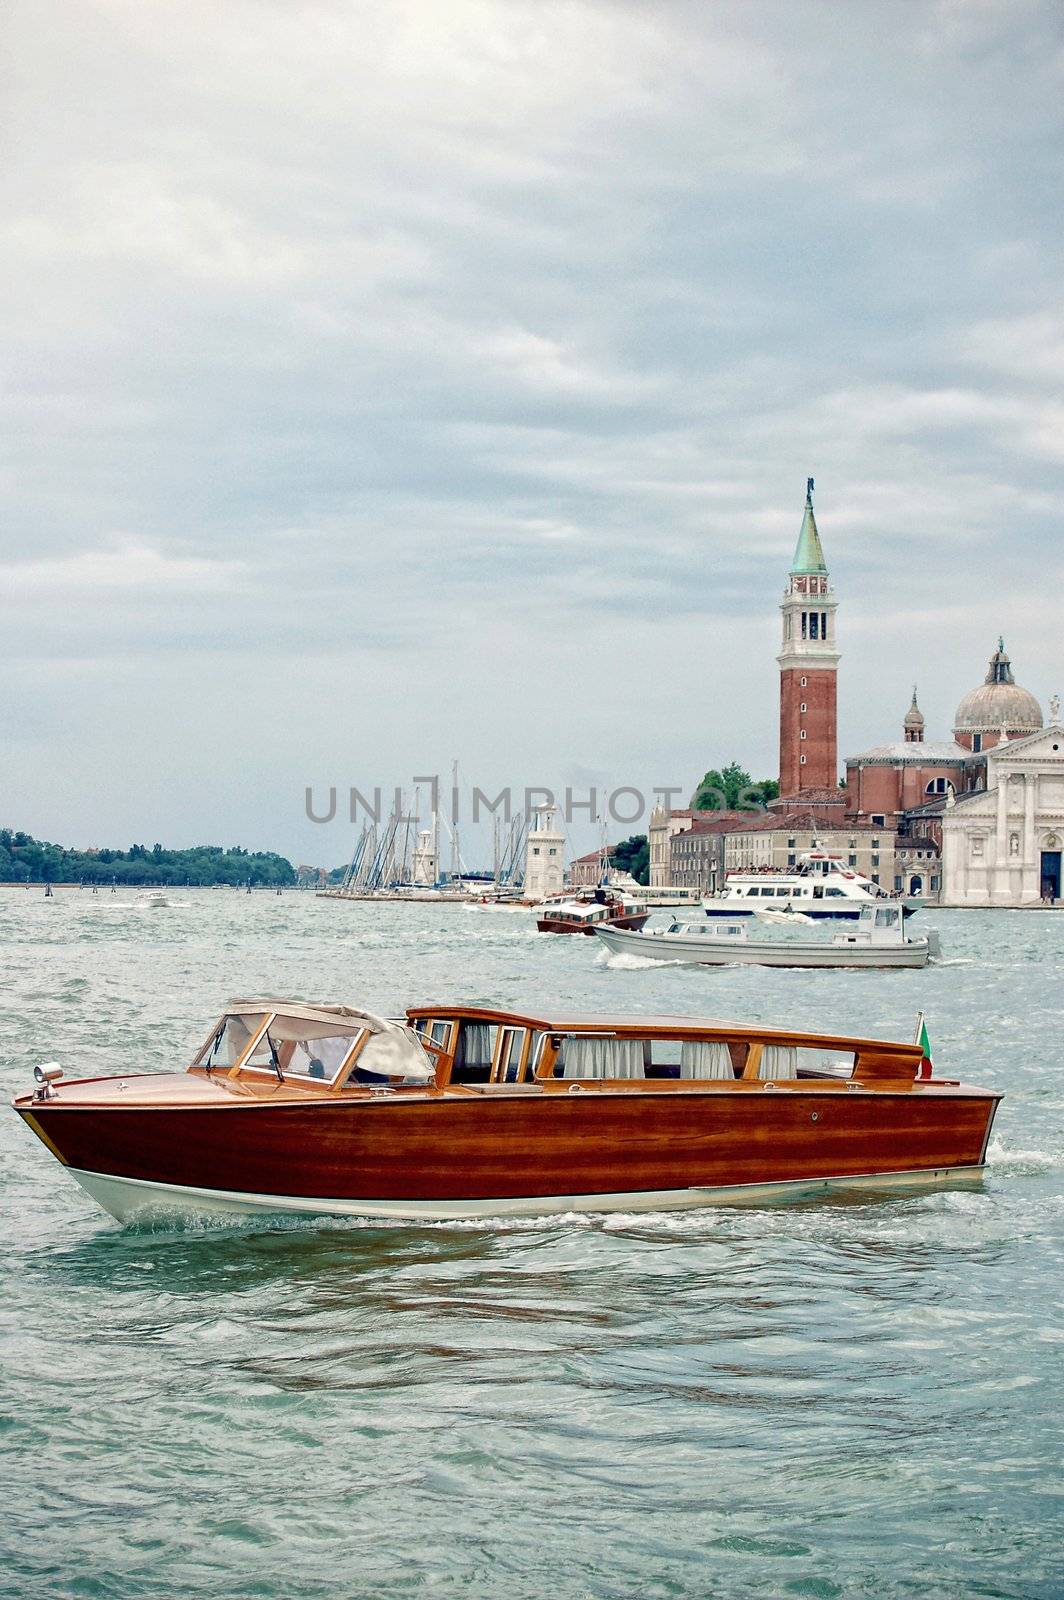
(23, 859)
(731, 788)
(632, 855)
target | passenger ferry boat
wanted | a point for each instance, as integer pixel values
(467, 1111)
(821, 885)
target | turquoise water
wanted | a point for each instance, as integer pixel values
(855, 1398)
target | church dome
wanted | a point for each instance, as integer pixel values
(998, 703)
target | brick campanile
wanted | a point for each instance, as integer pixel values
(809, 664)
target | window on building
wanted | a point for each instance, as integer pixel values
(802, 682)
(977, 846)
(792, 859)
(801, 761)
(875, 877)
(823, 624)
(803, 707)
(879, 822)
(791, 843)
(853, 860)
(814, 624)
(899, 883)
(805, 624)
(802, 734)
(875, 863)
(875, 844)
(853, 844)
(535, 849)
(934, 885)
(977, 742)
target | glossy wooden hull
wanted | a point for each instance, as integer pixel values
(455, 1154)
(552, 925)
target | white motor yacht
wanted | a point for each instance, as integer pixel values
(821, 885)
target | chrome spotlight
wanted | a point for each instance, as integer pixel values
(46, 1074)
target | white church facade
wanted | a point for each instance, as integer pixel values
(1002, 845)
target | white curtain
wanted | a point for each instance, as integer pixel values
(778, 1061)
(705, 1058)
(477, 1044)
(602, 1058)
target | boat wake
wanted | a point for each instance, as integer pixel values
(618, 962)
(1019, 1163)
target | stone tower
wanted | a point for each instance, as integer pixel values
(545, 857)
(913, 726)
(808, 665)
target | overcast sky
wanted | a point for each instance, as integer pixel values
(394, 383)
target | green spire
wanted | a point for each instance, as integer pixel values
(809, 554)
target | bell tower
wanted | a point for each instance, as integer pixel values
(808, 664)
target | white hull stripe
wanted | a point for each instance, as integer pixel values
(135, 1200)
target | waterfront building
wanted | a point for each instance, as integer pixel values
(1002, 844)
(664, 826)
(697, 852)
(586, 871)
(545, 855)
(890, 779)
(910, 785)
(917, 866)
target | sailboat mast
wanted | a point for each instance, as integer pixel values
(455, 859)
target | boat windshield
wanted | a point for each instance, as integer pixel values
(291, 1047)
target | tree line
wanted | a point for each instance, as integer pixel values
(24, 859)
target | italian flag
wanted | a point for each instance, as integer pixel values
(923, 1039)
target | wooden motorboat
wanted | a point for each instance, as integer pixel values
(602, 908)
(465, 1111)
(877, 940)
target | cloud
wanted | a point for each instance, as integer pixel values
(125, 567)
(452, 373)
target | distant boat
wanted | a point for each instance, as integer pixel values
(878, 940)
(585, 914)
(152, 901)
(820, 885)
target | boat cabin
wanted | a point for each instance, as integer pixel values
(272, 1046)
(482, 1050)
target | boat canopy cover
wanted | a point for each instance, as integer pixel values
(394, 1050)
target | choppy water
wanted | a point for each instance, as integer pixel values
(859, 1398)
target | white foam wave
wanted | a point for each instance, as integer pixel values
(1017, 1161)
(628, 963)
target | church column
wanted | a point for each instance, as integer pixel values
(1031, 864)
(999, 885)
